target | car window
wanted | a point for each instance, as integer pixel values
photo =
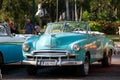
(66, 27)
(54, 28)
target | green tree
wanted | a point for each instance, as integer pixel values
(115, 7)
(95, 10)
(106, 10)
(86, 16)
(16, 10)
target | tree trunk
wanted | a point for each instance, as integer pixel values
(67, 9)
(81, 9)
(1, 1)
(76, 15)
(73, 13)
(57, 10)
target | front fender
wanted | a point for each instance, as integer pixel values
(82, 52)
(31, 42)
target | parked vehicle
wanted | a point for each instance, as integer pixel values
(10, 45)
(67, 44)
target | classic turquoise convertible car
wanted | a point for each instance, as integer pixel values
(10, 45)
(67, 44)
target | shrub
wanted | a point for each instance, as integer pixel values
(95, 26)
(85, 16)
(108, 27)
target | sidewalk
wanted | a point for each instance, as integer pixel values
(117, 47)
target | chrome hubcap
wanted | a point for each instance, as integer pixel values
(86, 66)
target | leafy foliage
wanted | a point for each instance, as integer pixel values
(92, 10)
(86, 16)
(94, 26)
(108, 27)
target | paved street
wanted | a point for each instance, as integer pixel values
(97, 73)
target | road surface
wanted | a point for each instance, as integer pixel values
(97, 72)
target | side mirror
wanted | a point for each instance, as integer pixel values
(13, 34)
(39, 33)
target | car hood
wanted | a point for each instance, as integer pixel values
(14, 38)
(58, 41)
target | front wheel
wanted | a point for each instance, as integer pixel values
(84, 68)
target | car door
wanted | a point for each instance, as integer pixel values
(99, 50)
(11, 52)
(92, 46)
(95, 47)
(11, 48)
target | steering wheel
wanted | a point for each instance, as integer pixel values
(79, 29)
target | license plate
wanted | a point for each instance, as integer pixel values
(47, 63)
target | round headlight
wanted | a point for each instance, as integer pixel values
(76, 47)
(25, 47)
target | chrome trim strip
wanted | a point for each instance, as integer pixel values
(60, 51)
(50, 55)
(63, 52)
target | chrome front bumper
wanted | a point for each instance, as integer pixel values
(52, 58)
(49, 63)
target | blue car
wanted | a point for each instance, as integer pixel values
(67, 44)
(10, 45)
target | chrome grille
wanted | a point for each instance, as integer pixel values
(51, 55)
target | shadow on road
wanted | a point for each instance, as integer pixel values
(96, 72)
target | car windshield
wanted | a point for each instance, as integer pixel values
(59, 27)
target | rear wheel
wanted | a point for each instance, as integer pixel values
(107, 59)
(0, 75)
(32, 70)
(84, 68)
(1, 59)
